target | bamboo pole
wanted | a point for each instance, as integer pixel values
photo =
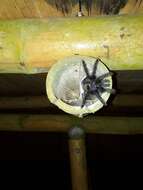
(62, 123)
(78, 158)
(33, 46)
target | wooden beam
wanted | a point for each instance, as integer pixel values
(27, 102)
(62, 123)
(126, 82)
(127, 100)
(77, 150)
(33, 46)
(36, 102)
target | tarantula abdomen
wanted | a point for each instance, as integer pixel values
(89, 84)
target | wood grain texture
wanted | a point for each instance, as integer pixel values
(78, 164)
(12, 9)
(126, 82)
(41, 102)
(62, 123)
(29, 95)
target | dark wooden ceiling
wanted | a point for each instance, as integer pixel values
(26, 93)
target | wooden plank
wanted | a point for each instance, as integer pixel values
(62, 123)
(39, 102)
(27, 102)
(125, 82)
(125, 100)
(22, 85)
(129, 82)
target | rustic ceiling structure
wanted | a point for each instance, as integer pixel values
(27, 93)
(13, 9)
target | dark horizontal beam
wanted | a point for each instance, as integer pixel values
(26, 102)
(62, 123)
(36, 102)
(126, 82)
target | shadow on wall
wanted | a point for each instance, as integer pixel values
(103, 6)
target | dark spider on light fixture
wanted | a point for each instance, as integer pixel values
(93, 85)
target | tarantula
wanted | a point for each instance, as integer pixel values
(93, 85)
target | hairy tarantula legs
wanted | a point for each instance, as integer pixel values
(85, 68)
(102, 77)
(94, 68)
(93, 85)
(84, 98)
(100, 98)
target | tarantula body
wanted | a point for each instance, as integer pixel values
(93, 85)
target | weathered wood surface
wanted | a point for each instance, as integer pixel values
(41, 102)
(125, 82)
(33, 46)
(29, 97)
(62, 123)
(30, 94)
(77, 150)
(11, 9)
